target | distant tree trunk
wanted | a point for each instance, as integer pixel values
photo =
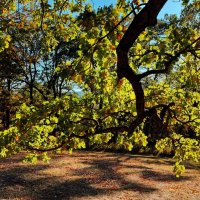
(31, 93)
(5, 101)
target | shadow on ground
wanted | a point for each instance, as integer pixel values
(28, 182)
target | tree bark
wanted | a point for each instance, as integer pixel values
(145, 18)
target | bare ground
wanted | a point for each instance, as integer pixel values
(97, 176)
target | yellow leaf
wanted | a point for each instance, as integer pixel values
(141, 36)
(44, 26)
(138, 46)
(91, 41)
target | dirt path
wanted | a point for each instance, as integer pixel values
(97, 176)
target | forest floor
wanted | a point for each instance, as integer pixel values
(89, 175)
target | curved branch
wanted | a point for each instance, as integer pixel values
(112, 29)
(38, 89)
(168, 63)
(45, 150)
(183, 122)
(86, 119)
(146, 17)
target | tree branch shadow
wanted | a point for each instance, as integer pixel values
(157, 176)
(99, 177)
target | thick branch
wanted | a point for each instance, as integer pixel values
(146, 17)
(113, 130)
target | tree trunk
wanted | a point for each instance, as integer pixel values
(145, 18)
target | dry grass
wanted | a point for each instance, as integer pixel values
(96, 175)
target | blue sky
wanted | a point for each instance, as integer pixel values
(171, 7)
